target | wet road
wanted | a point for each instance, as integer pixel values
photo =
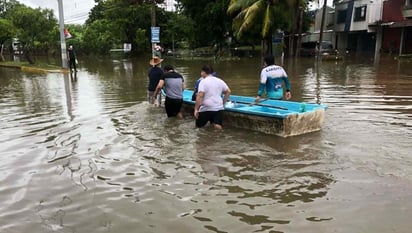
(90, 155)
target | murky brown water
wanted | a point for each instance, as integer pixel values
(90, 155)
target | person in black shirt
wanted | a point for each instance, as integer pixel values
(173, 83)
(154, 74)
(71, 56)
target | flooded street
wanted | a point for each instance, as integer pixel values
(89, 154)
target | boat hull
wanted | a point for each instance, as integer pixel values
(269, 118)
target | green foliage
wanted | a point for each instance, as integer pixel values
(212, 22)
(124, 22)
(99, 37)
(251, 13)
(267, 15)
(200, 23)
(248, 14)
(7, 6)
(129, 21)
(7, 30)
(177, 31)
(77, 39)
(34, 27)
(141, 40)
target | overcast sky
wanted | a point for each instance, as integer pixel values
(75, 11)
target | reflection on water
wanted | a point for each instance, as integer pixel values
(85, 153)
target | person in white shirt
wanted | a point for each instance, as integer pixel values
(209, 103)
(272, 78)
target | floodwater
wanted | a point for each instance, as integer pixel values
(90, 155)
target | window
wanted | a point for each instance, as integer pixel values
(360, 13)
(341, 16)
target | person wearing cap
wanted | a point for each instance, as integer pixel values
(209, 103)
(173, 83)
(272, 78)
(154, 74)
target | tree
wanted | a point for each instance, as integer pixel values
(212, 22)
(247, 13)
(127, 20)
(6, 33)
(177, 31)
(268, 15)
(6, 6)
(34, 26)
(99, 37)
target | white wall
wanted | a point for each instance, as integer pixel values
(373, 14)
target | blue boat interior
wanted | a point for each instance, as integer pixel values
(266, 107)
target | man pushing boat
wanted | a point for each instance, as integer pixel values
(272, 78)
(209, 105)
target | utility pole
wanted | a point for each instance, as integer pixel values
(298, 44)
(321, 29)
(62, 38)
(153, 22)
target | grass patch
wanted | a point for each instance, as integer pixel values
(26, 64)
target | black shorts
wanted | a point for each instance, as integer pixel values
(214, 117)
(173, 106)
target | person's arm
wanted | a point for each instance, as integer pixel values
(262, 85)
(159, 87)
(261, 90)
(226, 97)
(285, 78)
(199, 100)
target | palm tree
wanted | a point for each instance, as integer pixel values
(249, 12)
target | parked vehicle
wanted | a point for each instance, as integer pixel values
(311, 48)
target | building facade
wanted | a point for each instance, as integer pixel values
(369, 26)
(355, 25)
(397, 27)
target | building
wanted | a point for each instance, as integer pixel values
(397, 27)
(328, 33)
(368, 26)
(355, 24)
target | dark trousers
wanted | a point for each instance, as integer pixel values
(72, 63)
(173, 106)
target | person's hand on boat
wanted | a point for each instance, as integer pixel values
(257, 99)
(288, 95)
